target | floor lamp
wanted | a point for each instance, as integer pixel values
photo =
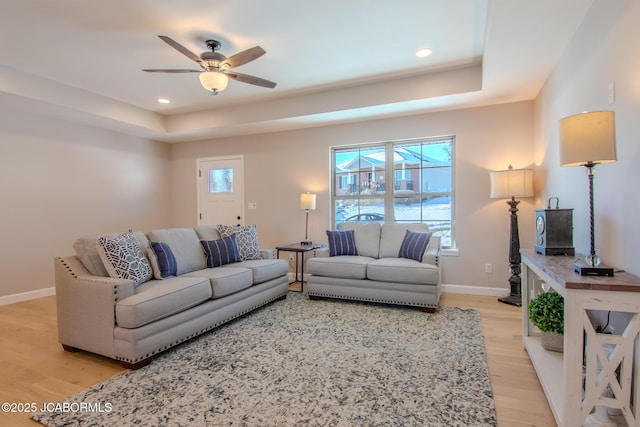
(512, 183)
(588, 139)
(307, 202)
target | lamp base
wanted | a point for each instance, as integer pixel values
(306, 243)
(581, 267)
(512, 300)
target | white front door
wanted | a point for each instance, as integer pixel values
(220, 191)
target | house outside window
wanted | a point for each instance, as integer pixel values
(397, 181)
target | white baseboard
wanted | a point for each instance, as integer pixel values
(292, 276)
(474, 290)
(26, 296)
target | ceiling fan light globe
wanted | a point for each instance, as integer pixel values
(213, 81)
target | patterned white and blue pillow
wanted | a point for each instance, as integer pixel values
(166, 261)
(122, 257)
(413, 245)
(342, 243)
(221, 251)
(246, 239)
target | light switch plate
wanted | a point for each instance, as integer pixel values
(612, 92)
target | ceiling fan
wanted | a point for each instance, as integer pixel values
(215, 67)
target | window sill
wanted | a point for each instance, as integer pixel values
(449, 252)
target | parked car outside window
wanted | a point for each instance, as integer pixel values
(369, 217)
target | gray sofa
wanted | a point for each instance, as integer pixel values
(377, 273)
(129, 321)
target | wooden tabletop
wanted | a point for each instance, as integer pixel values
(560, 268)
(299, 247)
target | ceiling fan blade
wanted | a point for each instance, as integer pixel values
(243, 57)
(183, 50)
(173, 71)
(252, 80)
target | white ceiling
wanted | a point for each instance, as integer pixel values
(333, 60)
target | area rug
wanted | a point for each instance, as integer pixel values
(298, 362)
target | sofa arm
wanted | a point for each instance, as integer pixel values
(432, 253)
(321, 252)
(266, 254)
(86, 306)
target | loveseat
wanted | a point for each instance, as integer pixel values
(389, 263)
(129, 296)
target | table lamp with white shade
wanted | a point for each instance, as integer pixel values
(307, 202)
(588, 139)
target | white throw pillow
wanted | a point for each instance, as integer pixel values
(122, 256)
(246, 239)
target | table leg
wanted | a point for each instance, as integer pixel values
(295, 279)
(302, 274)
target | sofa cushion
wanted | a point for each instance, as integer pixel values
(342, 243)
(264, 270)
(391, 237)
(221, 251)
(413, 245)
(225, 281)
(403, 270)
(185, 245)
(367, 237)
(122, 257)
(347, 266)
(207, 232)
(162, 259)
(87, 252)
(246, 239)
(158, 299)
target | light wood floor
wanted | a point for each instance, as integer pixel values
(34, 368)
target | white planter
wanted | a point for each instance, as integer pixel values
(552, 341)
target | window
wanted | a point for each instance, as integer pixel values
(400, 181)
(221, 180)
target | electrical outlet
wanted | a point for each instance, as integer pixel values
(488, 268)
(291, 257)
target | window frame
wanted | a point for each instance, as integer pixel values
(390, 193)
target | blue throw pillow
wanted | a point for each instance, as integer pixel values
(342, 243)
(413, 245)
(221, 251)
(166, 260)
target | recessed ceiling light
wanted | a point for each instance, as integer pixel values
(164, 101)
(423, 53)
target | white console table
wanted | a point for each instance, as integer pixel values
(561, 374)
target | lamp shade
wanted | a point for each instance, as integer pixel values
(214, 81)
(308, 201)
(511, 183)
(588, 138)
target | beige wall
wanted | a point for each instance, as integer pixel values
(60, 181)
(280, 166)
(603, 51)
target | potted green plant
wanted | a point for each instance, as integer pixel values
(546, 311)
